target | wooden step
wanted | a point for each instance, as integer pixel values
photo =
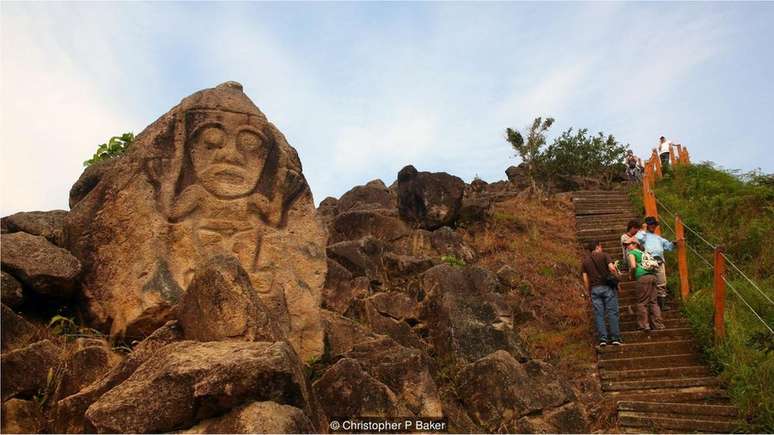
(628, 350)
(631, 316)
(695, 395)
(631, 326)
(668, 334)
(679, 408)
(654, 384)
(651, 362)
(655, 422)
(693, 371)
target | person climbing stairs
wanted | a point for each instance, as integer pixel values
(657, 379)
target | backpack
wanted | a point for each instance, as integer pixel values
(649, 263)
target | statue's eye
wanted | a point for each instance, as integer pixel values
(249, 141)
(213, 137)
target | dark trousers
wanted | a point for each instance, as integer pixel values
(648, 311)
(605, 302)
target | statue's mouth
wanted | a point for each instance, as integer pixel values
(230, 176)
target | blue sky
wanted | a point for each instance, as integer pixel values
(362, 89)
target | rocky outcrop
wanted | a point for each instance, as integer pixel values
(497, 391)
(257, 417)
(464, 316)
(39, 264)
(48, 224)
(22, 416)
(12, 294)
(187, 381)
(17, 332)
(221, 304)
(28, 370)
(373, 195)
(429, 200)
(210, 177)
(84, 366)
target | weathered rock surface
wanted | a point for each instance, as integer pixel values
(464, 316)
(497, 390)
(48, 224)
(221, 304)
(39, 264)
(429, 200)
(372, 195)
(342, 334)
(22, 416)
(67, 415)
(11, 289)
(17, 332)
(404, 370)
(346, 389)
(210, 177)
(568, 418)
(362, 257)
(26, 371)
(257, 417)
(381, 224)
(337, 294)
(83, 367)
(188, 381)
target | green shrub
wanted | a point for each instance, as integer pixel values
(116, 146)
(736, 211)
(453, 261)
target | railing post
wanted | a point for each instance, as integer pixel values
(656, 159)
(679, 154)
(687, 156)
(672, 158)
(682, 257)
(720, 294)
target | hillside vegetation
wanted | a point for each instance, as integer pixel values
(736, 211)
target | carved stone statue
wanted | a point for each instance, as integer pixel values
(211, 177)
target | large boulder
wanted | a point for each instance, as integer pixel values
(210, 177)
(12, 294)
(429, 200)
(342, 288)
(22, 416)
(497, 390)
(221, 304)
(362, 257)
(257, 417)
(342, 334)
(39, 264)
(372, 195)
(464, 316)
(347, 390)
(404, 370)
(49, 224)
(378, 223)
(67, 415)
(26, 371)
(17, 332)
(83, 367)
(188, 381)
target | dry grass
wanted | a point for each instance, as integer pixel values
(537, 239)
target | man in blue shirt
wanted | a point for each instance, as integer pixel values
(655, 245)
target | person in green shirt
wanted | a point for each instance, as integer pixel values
(648, 311)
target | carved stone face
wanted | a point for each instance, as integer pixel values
(228, 154)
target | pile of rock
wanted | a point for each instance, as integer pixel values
(247, 310)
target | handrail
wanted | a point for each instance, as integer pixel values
(652, 172)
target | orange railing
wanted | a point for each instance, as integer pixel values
(678, 156)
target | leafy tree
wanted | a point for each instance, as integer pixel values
(116, 146)
(529, 150)
(578, 154)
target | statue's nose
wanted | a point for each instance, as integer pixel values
(229, 152)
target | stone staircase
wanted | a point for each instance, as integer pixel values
(658, 380)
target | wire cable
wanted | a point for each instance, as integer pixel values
(748, 279)
(731, 286)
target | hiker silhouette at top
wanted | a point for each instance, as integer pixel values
(655, 245)
(633, 167)
(663, 149)
(599, 277)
